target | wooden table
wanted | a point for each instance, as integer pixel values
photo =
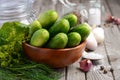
(110, 49)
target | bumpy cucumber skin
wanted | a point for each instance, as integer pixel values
(39, 38)
(74, 39)
(58, 41)
(34, 26)
(48, 18)
(60, 26)
(72, 19)
(83, 30)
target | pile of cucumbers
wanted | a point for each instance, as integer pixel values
(50, 32)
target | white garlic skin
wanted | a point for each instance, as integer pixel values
(91, 42)
(99, 34)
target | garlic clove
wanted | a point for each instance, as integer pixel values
(85, 65)
(99, 34)
(91, 42)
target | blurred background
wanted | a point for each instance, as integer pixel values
(86, 10)
(17, 10)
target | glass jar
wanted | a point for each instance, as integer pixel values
(72, 7)
(95, 11)
(15, 10)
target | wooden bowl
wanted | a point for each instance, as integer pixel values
(55, 58)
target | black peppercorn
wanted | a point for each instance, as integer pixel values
(105, 71)
(111, 69)
(101, 67)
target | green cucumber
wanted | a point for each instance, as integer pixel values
(72, 19)
(48, 18)
(74, 39)
(83, 29)
(60, 26)
(58, 41)
(34, 26)
(39, 38)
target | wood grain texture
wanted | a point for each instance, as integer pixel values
(62, 72)
(96, 73)
(74, 73)
(112, 41)
(114, 7)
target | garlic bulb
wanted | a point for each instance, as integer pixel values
(99, 34)
(91, 42)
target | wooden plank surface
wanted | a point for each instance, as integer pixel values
(113, 39)
(74, 73)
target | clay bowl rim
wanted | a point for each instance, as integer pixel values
(64, 49)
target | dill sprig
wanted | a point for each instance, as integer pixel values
(28, 71)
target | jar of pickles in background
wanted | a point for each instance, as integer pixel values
(15, 10)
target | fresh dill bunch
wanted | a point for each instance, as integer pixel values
(13, 63)
(13, 31)
(12, 35)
